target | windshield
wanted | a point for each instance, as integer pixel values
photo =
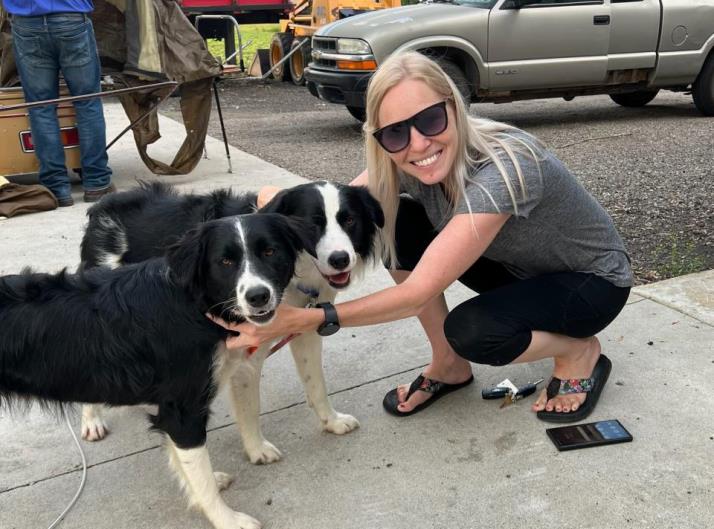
(483, 4)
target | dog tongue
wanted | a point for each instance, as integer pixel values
(340, 279)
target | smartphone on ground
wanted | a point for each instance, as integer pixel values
(589, 434)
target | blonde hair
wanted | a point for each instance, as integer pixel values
(478, 141)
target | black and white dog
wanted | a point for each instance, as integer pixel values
(139, 335)
(345, 222)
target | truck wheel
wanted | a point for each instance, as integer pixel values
(359, 113)
(279, 48)
(298, 61)
(457, 76)
(703, 88)
(634, 99)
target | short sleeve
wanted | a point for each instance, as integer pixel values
(487, 191)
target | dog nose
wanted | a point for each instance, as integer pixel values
(339, 260)
(257, 296)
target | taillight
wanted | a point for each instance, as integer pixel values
(26, 141)
(68, 135)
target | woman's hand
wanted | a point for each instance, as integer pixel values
(288, 320)
(266, 194)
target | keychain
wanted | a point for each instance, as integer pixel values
(509, 391)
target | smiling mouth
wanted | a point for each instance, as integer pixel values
(262, 318)
(340, 280)
(426, 162)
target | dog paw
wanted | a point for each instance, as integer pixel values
(223, 480)
(243, 521)
(264, 453)
(94, 428)
(340, 424)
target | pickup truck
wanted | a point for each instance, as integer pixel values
(506, 50)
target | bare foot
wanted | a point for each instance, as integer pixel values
(578, 365)
(455, 373)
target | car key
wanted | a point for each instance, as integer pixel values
(500, 391)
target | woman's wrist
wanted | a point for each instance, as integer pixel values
(314, 319)
(301, 320)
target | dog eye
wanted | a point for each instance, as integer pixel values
(349, 221)
(227, 262)
(268, 252)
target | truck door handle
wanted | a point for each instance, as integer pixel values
(601, 20)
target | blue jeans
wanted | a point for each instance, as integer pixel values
(44, 46)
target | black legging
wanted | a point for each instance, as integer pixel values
(495, 327)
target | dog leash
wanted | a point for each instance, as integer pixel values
(276, 347)
(84, 473)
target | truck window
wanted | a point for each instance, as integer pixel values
(484, 4)
(546, 3)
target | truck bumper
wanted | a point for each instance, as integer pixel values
(342, 88)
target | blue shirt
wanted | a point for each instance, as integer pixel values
(30, 8)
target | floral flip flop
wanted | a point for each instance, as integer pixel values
(421, 383)
(592, 386)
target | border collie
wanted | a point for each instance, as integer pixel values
(345, 221)
(139, 335)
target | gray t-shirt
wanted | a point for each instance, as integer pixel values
(559, 226)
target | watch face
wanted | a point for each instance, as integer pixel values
(327, 329)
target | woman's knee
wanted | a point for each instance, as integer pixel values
(484, 339)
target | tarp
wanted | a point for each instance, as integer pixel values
(139, 42)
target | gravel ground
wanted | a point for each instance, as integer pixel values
(650, 167)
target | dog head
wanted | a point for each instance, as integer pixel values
(238, 267)
(347, 220)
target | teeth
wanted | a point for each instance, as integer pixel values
(427, 161)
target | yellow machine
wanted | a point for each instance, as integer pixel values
(304, 19)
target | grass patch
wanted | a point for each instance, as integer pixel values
(679, 257)
(259, 34)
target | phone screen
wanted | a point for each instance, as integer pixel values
(590, 434)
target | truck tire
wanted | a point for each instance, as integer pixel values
(703, 88)
(458, 77)
(634, 99)
(359, 113)
(298, 61)
(279, 48)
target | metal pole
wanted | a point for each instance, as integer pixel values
(223, 128)
(138, 120)
(237, 28)
(72, 99)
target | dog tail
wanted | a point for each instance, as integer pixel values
(28, 286)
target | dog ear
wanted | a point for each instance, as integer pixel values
(301, 234)
(372, 206)
(185, 257)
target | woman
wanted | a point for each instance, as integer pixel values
(489, 206)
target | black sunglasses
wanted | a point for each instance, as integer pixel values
(431, 121)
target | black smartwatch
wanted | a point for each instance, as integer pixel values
(331, 324)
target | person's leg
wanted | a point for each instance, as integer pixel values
(552, 316)
(573, 358)
(38, 68)
(446, 365)
(413, 233)
(79, 61)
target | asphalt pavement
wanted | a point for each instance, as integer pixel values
(650, 167)
(463, 463)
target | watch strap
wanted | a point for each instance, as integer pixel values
(330, 312)
(332, 323)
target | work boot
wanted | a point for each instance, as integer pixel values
(94, 196)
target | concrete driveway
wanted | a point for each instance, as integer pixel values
(463, 463)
